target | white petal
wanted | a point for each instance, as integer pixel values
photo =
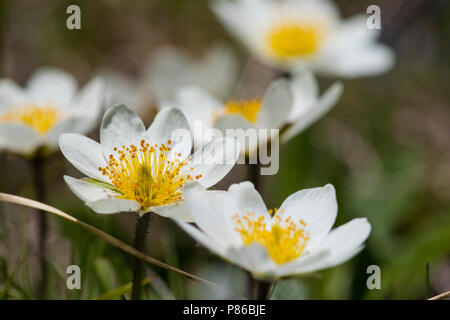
(89, 102)
(248, 199)
(307, 263)
(235, 125)
(212, 211)
(246, 19)
(232, 121)
(253, 258)
(87, 191)
(119, 89)
(121, 126)
(85, 154)
(197, 104)
(200, 109)
(11, 95)
(218, 59)
(215, 160)
(341, 258)
(70, 125)
(339, 246)
(177, 211)
(201, 237)
(168, 70)
(50, 85)
(18, 138)
(317, 207)
(305, 91)
(346, 238)
(276, 106)
(354, 52)
(108, 206)
(361, 62)
(354, 30)
(171, 124)
(315, 112)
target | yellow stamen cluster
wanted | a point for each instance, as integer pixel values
(40, 118)
(293, 40)
(147, 175)
(247, 108)
(284, 240)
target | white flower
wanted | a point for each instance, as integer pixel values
(293, 34)
(134, 169)
(34, 116)
(296, 239)
(121, 89)
(171, 68)
(291, 105)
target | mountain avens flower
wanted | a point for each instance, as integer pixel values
(290, 105)
(34, 116)
(122, 89)
(134, 169)
(294, 34)
(295, 239)
(170, 68)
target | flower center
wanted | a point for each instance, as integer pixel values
(146, 175)
(247, 108)
(40, 118)
(284, 240)
(293, 40)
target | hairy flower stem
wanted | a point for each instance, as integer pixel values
(264, 290)
(142, 224)
(39, 185)
(254, 177)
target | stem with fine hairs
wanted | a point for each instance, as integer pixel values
(142, 224)
(254, 177)
(41, 195)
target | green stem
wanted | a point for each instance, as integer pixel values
(254, 172)
(39, 185)
(254, 177)
(142, 224)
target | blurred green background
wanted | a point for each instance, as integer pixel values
(385, 147)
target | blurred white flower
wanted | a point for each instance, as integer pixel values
(121, 89)
(296, 239)
(294, 34)
(291, 105)
(171, 68)
(134, 169)
(34, 116)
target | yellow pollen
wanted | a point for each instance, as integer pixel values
(146, 175)
(40, 118)
(294, 40)
(247, 108)
(284, 240)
